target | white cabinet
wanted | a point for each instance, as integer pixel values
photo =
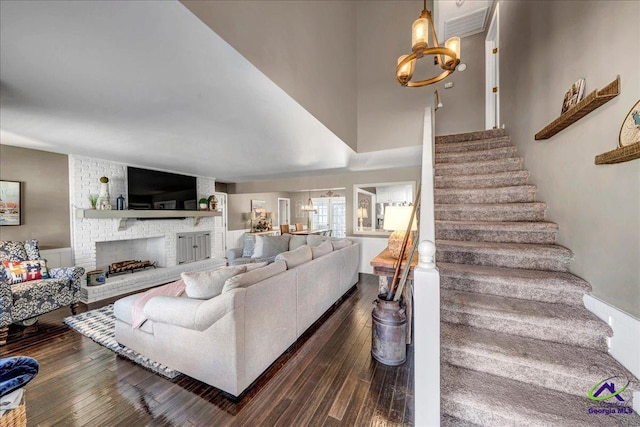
(192, 247)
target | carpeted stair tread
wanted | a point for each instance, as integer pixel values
(514, 194)
(512, 255)
(487, 180)
(544, 321)
(556, 366)
(534, 285)
(541, 232)
(473, 145)
(479, 167)
(470, 136)
(532, 211)
(448, 421)
(473, 156)
(490, 400)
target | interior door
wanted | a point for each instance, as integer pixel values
(492, 73)
(220, 233)
(284, 211)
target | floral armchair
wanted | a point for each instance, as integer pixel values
(28, 288)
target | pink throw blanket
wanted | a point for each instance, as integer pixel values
(174, 289)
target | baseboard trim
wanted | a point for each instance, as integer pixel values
(624, 346)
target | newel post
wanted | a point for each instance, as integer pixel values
(426, 296)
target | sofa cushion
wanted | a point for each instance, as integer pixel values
(267, 246)
(254, 276)
(341, 243)
(24, 271)
(322, 249)
(209, 284)
(254, 265)
(32, 249)
(249, 245)
(296, 257)
(315, 240)
(296, 241)
(12, 251)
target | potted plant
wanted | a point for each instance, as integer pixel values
(204, 204)
(93, 200)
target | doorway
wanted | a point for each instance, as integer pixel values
(284, 211)
(492, 72)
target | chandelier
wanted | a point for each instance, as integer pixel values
(447, 57)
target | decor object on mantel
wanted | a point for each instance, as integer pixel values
(104, 200)
(592, 101)
(447, 57)
(213, 202)
(203, 203)
(628, 140)
(93, 200)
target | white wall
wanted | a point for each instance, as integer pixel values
(545, 47)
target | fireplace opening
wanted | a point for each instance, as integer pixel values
(131, 255)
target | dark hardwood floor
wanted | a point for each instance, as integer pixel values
(328, 378)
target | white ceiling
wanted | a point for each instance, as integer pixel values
(148, 84)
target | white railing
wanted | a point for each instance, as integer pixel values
(426, 294)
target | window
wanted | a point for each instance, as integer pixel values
(330, 213)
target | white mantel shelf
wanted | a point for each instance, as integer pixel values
(123, 216)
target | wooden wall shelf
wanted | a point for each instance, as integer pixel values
(123, 216)
(592, 101)
(619, 155)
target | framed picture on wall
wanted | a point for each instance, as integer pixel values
(573, 95)
(10, 207)
(259, 208)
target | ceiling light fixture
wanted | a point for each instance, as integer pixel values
(448, 57)
(309, 206)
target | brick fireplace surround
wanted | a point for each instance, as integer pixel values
(84, 178)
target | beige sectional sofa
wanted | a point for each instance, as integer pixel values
(229, 340)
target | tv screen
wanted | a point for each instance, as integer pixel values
(149, 189)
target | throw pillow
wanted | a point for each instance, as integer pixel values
(296, 241)
(31, 248)
(322, 249)
(12, 251)
(249, 245)
(315, 240)
(268, 246)
(24, 271)
(209, 284)
(296, 257)
(341, 243)
(250, 277)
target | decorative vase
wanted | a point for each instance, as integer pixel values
(104, 199)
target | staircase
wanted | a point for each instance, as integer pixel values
(518, 348)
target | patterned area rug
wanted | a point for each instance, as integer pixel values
(99, 325)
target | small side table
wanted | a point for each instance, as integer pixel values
(383, 266)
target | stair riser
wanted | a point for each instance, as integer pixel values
(483, 144)
(538, 237)
(517, 195)
(512, 290)
(520, 370)
(566, 335)
(503, 165)
(521, 260)
(473, 182)
(494, 213)
(474, 156)
(470, 136)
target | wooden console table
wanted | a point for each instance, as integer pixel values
(383, 266)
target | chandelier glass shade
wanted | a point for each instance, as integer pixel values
(447, 56)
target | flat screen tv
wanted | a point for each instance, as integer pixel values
(155, 190)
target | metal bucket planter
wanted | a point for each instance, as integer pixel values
(388, 332)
